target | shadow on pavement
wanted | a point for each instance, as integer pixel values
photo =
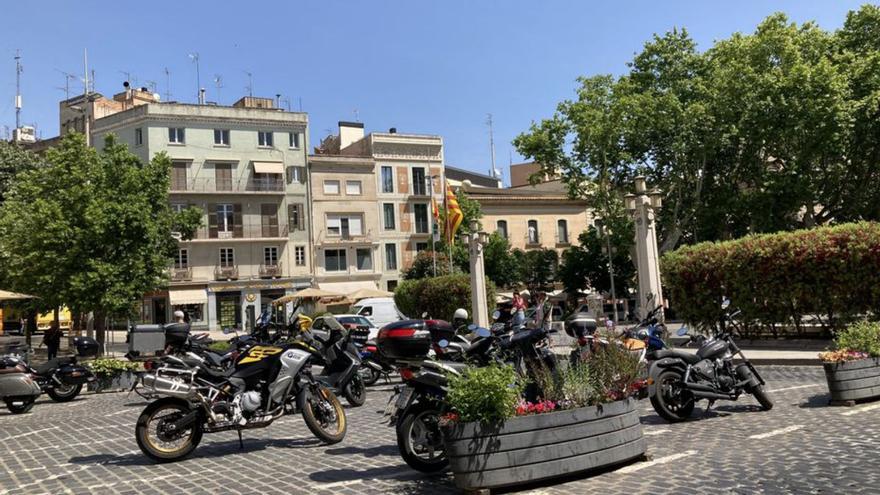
(389, 450)
(820, 400)
(416, 483)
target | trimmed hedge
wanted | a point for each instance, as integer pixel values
(438, 296)
(777, 279)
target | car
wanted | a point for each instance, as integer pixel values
(360, 321)
(379, 310)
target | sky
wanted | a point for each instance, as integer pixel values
(435, 67)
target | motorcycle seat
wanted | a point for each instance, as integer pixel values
(11, 369)
(52, 364)
(687, 357)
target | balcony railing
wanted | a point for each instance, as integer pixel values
(243, 232)
(346, 237)
(226, 272)
(181, 274)
(533, 239)
(211, 185)
(270, 271)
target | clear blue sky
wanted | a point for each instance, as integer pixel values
(428, 67)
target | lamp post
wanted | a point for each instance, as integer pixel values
(479, 305)
(602, 233)
(643, 207)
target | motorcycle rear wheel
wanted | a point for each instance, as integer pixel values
(671, 400)
(20, 405)
(369, 375)
(419, 439)
(323, 413)
(64, 393)
(761, 395)
(355, 391)
(151, 424)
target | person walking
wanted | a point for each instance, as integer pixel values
(519, 309)
(52, 339)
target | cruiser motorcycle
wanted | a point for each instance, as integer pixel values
(265, 383)
(678, 379)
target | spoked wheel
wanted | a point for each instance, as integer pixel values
(64, 392)
(355, 391)
(420, 441)
(672, 401)
(20, 405)
(369, 375)
(157, 437)
(322, 413)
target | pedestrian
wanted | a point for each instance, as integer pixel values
(52, 339)
(179, 316)
(519, 309)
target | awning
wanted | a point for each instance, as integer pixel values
(348, 287)
(188, 296)
(269, 167)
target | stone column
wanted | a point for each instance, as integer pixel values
(479, 306)
(642, 207)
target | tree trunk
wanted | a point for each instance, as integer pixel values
(30, 326)
(100, 329)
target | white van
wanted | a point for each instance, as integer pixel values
(379, 310)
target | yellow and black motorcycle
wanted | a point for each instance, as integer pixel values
(266, 382)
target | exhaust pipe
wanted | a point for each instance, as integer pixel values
(166, 386)
(711, 395)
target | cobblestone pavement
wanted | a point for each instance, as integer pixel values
(801, 446)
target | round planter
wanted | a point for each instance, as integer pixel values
(853, 380)
(543, 446)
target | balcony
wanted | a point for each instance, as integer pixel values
(181, 274)
(326, 238)
(270, 271)
(255, 185)
(226, 272)
(242, 232)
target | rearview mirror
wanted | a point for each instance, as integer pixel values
(472, 327)
(496, 314)
(443, 344)
(725, 303)
(682, 331)
(483, 332)
(424, 315)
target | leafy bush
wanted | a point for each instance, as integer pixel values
(221, 346)
(777, 279)
(109, 366)
(423, 266)
(438, 296)
(862, 336)
(488, 395)
(613, 373)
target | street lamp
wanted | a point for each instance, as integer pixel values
(643, 208)
(476, 240)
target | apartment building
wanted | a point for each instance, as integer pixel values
(244, 166)
(372, 204)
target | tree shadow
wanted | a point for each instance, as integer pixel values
(815, 401)
(381, 450)
(416, 483)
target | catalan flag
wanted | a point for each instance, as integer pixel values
(434, 210)
(454, 216)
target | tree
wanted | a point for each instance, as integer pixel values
(14, 160)
(423, 266)
(92, 231)
(586, 265)
(501, 267)
(537, 267)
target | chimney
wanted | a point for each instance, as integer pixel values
(393, 130)
(201, 96)
(350, 132)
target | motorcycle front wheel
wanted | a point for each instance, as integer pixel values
(355, 391)
(20, 405)
(64, 393)
(671, 400)
(323, 413)
(157, 441)
(420, 441)
(761, 395)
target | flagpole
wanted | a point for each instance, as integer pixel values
(433, 225)
(449, 238)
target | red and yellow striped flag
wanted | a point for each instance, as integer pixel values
(434, 210)
(454, 216)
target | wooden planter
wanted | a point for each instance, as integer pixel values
(121, 381)
(853, 380)
(542, 446)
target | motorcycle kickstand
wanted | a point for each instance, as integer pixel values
(709, 407)
(240, 441)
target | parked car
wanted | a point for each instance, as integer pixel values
(379, 310)
(359, 321)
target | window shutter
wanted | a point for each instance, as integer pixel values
(403, 180)
(405, 224)
(212, 220)
(237, 227)
(291, 218)
(300, 217)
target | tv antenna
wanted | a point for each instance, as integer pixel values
(250, 85)
(167, 84)
(18, 71)
(151, 85)
(494, 172)
(218, 83)
(195, 59)
(286, 102)
(132, 80)
(357, 115)
(67, 78)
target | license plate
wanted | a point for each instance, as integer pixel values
(398, 401)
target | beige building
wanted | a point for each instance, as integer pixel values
(521, 172)
(533, 218)
(398, 173)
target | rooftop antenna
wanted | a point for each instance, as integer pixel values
(128, 77)
(250, 85)
(86, 72)
(67, 78)
(18, 70)
(151, 85)
(195, 58)
(357, 116)
(218, 83)
(93, 80)
(493, 171)
(286, 102)
(300, 103)
(167, 84)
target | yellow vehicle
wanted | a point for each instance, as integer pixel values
(45, 319)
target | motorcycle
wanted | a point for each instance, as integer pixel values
(334, 348)
(265, 383)
(678, 379)
(61, 378)
(373, 366)
(18, 390)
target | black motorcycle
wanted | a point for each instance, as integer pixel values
(333, 347)
(61, 378)
(678, 379)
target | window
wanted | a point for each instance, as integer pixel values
(390, 256)
(421, 213)
(182, 259)
(388, 210)
(334, 260)
(269, 220)
(344, 226)
(295, 216)
(366, 311)
(421, 246)
(178, 176)
(225, 217)
(296, 174)
(138, 136)
(194, 311)
(176, 135)
(227, 257)
(270, 256)
(293, 138)
(221, 137)
(264, 138)
(299, 255)
(562, 231)
(353, 187)
(178, 207)
(418, 176)
(501, 228)
(223, 176)
(392, 284)
(387, 180)
(533, 232)
(331, 187)
(364, 259)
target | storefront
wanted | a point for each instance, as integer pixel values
(236, 306)
(192, 302)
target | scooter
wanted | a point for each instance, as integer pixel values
(340, 358)
(373, 366)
